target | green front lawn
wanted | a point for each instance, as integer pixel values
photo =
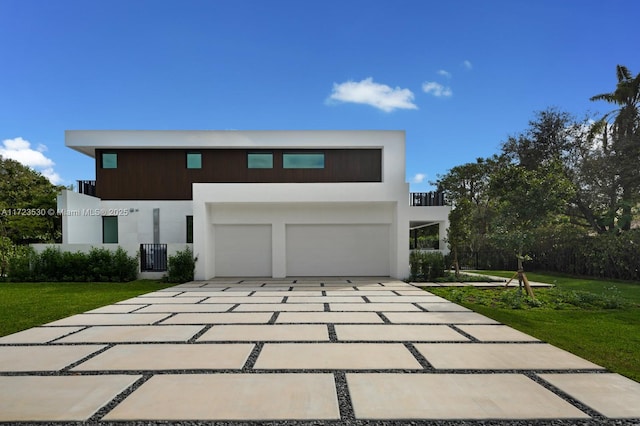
(26, 305)
(595, 319)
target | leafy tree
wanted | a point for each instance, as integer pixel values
(25, 198)
(466, 188)
(621, 141)
(527, 201)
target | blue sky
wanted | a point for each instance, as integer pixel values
(458, 76)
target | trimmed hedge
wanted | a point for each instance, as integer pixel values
(180, 267)
(99, 265)
(426, 265)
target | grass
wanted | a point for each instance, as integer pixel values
(629, 291)
(595, 319)
(26, 305)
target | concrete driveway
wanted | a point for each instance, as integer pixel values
(335, 351)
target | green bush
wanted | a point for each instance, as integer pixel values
(426, 265)
(52, 265)
(19, 265)
(180, 266)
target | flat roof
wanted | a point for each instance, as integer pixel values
(87, 141)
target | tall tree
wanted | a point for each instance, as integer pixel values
(466, 187)
(26, 198)
(621, 139)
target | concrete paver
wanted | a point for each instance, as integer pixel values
(454, 396)
(232, 397)
(329, 317)
(58, 398)
(242, 299)
(42, 358)
(419, 298)
(443, 307)
(373, 307)
(281, 307)
(265, 333)
(398, 333)
(324, 299)
(115, 309)
(324, 356)
(220, 318)
(169, 357)
(184, 307)
(125, 334)
(38, 335)
(612, 395)
(352, 292)
(438, 318)
(141, 300)
(496, 333)
(502, 356)
(109, 319)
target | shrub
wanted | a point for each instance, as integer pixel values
(180, 266)
(20, 264)
(425, 265)
(125, 266)
(53, 265)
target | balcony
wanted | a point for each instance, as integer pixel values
(427, 199)
(87, 187)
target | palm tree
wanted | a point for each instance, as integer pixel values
(621, 139)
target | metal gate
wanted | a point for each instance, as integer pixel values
(153, 257)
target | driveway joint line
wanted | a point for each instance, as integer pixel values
(199, 333)
(333, 336)
(568, 398)
(345, 404)
(101, 412)
(273, 318)
(383, 318)
(86, 358)
(252, 358)
(464, 333)
(419, 357)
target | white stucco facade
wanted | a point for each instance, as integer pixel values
(267, 229)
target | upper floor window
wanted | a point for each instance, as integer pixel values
(260, 160)
(313, 160)
(109, 160)
(194, 160)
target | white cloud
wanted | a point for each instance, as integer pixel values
(467, 64)
(436, 89)
(444, 73)
(418, 178)
(20, 150)
(377, 95)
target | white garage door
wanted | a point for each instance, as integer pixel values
(242, 250)
(337, 250)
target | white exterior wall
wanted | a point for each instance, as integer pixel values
(80, 223)
(282, 204)
(82, 219)
(270, 206)
(136, 226)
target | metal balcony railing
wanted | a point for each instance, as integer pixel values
(427, 199)
(87, 187)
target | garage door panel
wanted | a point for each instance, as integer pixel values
(242, 250)
(331, 250)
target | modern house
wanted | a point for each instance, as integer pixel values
(251, 203)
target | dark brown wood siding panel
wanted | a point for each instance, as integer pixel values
(162, 174)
